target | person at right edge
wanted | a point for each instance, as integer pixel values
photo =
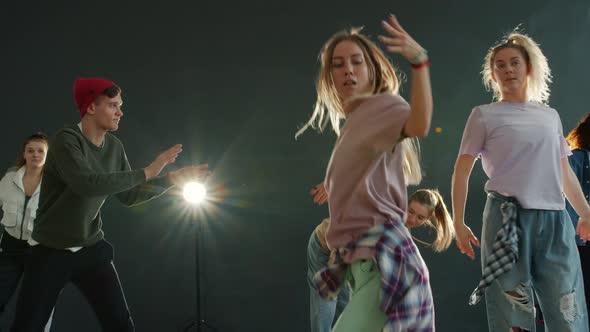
(579, 142)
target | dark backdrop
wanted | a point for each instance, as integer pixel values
(233, 81)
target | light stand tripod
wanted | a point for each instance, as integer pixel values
(198, 322)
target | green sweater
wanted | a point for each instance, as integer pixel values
(77, 179)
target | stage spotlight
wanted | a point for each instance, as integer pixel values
(194, 192)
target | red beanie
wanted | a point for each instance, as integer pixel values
(87, 89)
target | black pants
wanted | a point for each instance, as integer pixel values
(585, 259)
(90, 269)
(12, 263)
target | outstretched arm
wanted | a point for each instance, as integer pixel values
(399, 41)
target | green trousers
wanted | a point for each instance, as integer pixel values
(362, 314)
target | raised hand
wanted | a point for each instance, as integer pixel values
(165, 158)
(399, 41)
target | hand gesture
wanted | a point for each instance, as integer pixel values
(399, 41)
(183, 175)
(464, 238)
(165, 158)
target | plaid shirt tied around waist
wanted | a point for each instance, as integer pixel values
(504, 253)
(405, 296)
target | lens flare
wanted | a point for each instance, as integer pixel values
(194, 192)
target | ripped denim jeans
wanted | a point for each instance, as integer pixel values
(548, 264)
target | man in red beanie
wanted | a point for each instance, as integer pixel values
(84, 166)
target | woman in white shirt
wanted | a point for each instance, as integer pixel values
(19, 197)
(527, 236)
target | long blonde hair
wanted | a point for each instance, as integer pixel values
(443, 223)
(539, 76)
(329, 106)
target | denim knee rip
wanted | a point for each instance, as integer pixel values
(519, 298)
(569, 307)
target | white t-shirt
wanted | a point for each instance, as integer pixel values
(521, 146)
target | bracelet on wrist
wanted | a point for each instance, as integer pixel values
(420, 58)
(424, 64)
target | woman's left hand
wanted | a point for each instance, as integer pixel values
(399, 41)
